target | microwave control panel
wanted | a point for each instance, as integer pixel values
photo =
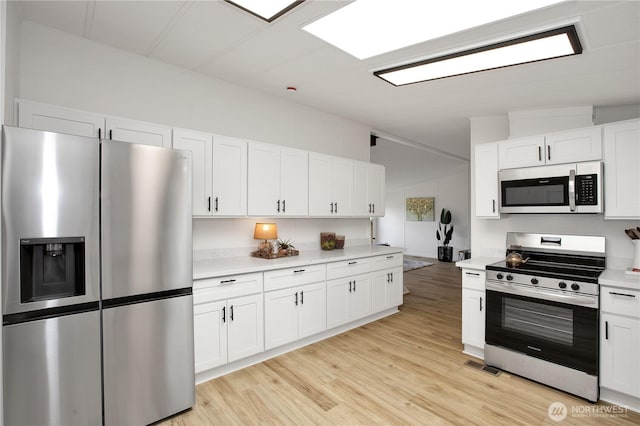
(587, 190)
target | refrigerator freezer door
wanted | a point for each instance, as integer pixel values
(52, 371)
(146, 219)
(148, 360)
(49, 190)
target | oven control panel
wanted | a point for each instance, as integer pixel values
(558, 284)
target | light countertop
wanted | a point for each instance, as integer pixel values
(223, 266)
(478, 262)
(618, 278)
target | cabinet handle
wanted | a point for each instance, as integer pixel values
(278, 206)
(354, 286)
(349, 286)
(209, 204)
(390, 257)
(606, 330)
(110, 134)
(298, 271)
(227, 281)
(331, 207)
(472, 273)
(374, 208)
(302, 297)
(622, 294)
(539, 153)
(296, 298)
(391, 276)
(549, 152)
(216, 204)
(224, 314)
(353, 263)
(494, 205)
(99, 133)
(231, 309)
(284, 206)
(481, 304)
(336, 203)
(369, 208)
(388, 278)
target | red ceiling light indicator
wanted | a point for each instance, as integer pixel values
(291, 89)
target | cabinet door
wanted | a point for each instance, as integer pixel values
(120, 129)
(312, 309)
(201, 149)
(51, 118)
(361, 202)
(522, 152)
(320, 185)
(294, 181)
(229, 174)
(280, 317)
(342, 187)
(486, 180)
(619, 352)
(210, 335)
(473, 305)
(376, 189)
(622, 170)
(574, 146)
(395, 288)
(380, 281)
(338, 295)
(360, 301)
(245, 327)
(263, 189)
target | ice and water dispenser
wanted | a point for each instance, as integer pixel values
(51, 268)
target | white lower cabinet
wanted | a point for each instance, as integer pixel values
(228, 322)
(473, 311)
(348, 299)
(620, 342)
(386, 282)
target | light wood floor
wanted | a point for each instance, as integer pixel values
(405, 369)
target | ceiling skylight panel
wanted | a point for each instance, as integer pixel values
(367, 28)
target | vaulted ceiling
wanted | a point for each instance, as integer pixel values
(219, 40)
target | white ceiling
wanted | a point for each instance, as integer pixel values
(219, 40)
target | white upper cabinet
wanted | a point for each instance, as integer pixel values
(557, 148)
(124, 130)
(368, 189)
(622, 170)
(219, 172)
(330, 185)
(277, 182)
(51, 118)
(486, 180)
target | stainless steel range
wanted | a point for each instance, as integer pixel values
(542, 316)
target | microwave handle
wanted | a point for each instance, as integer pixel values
(572, 190)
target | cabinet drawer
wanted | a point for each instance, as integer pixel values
(211, 289)
(348, 267)
(620, 301)
(386, 262)
(473, 279)
(291, 277)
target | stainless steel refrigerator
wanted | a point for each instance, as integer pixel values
(96, 280)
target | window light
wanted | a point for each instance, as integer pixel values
(531, 48)
(269, 10)
(365, 28)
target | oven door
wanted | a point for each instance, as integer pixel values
(557, 332)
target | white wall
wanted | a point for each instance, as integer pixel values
(419, 238)
(63, 69)
(11, 59)
(488, 235)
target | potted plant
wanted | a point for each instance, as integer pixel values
(284, 246)
(444, 233)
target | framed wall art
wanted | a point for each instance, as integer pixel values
(420, 209)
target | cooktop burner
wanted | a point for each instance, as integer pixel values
(550, 270)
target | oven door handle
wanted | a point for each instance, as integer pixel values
(535, 293)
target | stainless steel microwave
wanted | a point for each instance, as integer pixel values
(562, 188)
